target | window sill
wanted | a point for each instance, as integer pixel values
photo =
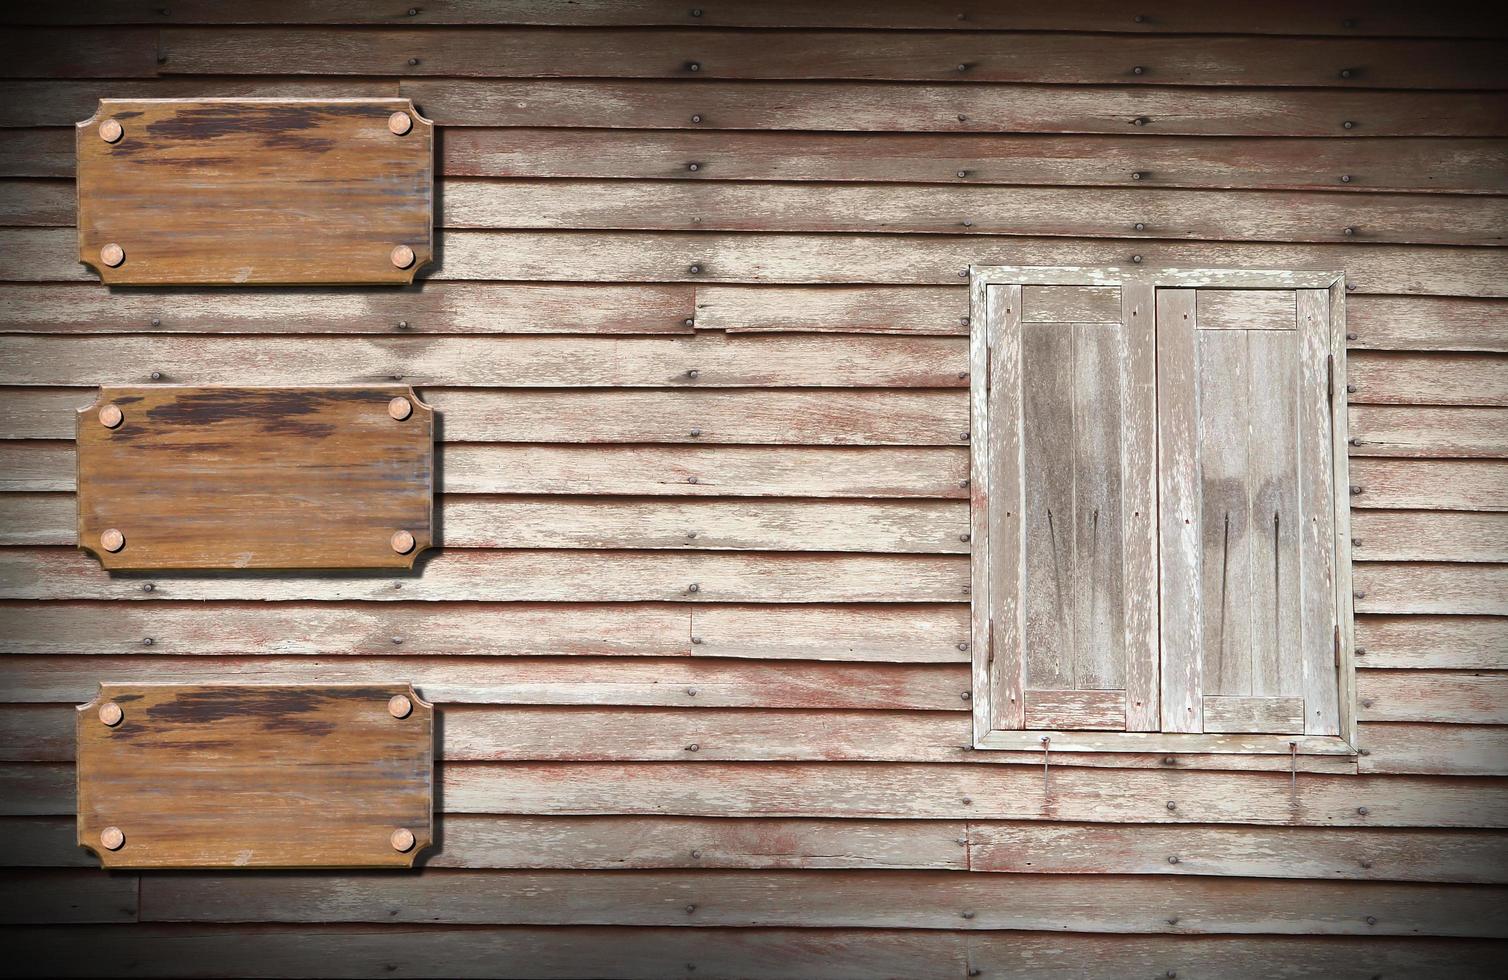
(1166, 743)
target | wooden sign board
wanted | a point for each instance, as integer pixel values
(231, 191)
(224, 478)
(300, 776)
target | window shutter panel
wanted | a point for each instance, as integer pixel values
(1072, 523)
(1247, 522)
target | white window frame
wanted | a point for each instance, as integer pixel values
(982, 636)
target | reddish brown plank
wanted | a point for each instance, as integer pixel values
(1432, 641)
(79, 53)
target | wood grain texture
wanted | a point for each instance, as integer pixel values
(1439, 379)
(259, 191)
(207, 478)
(1434, 484)
(883, 107)
(1417, 165)
(1453, 18)
(758, 953)
(315, 776)
(1432, 641)
(1036, 58)
(1380, 535)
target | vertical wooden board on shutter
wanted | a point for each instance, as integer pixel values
(1317, 539)
(1047, 519)
(1225, 527)
(1001, 465)
(1097, 585)
(1345, 637)
(1139, 507)
(1272, 483)
(1179, 511)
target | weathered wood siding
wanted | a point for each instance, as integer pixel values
(698, 633)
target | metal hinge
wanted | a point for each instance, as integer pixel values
(1329, 377)
(1337, 645)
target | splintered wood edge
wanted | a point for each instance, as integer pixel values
(422, 543)
(423, 254)
(85, 714)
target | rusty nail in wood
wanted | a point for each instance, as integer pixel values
(402, 840)
(963, 437)
(400, 408)
(399, 123)
(399, 706)
(1348, 231)
(402, 542)
(1136, 259)
(1362, 810)
(963, 173)
(148, 587)
(402, 324)
(1361, 651)
(1140, 226)
(111, 539)
(693, 587)
(112, 838)
(1356, 491)
(697, 640)
(1350, 336)
(1345, 178)
(156, 375)
(112, 255)
(1348, 124)
(1172, 805)
(696, 433)
(402, 256)
(693, 66)
(413, 62)
(1366, 702)
(1350, 389)
(1136, 175)
(963, 646)
(1141, 120)
(695, 269)
(693, 373)
(147, 641)
(413, 11)
(696, 11)
(1173, 859)
(1365, 863)
(110, 131)
(693, 167)
(693, 747)
(110, 416)
(967, 913)
(696, 118)
(690, 479)
(1371, 920)
(1138, 70)
(691, 692)
(110, 713)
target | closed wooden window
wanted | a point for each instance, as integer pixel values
(1159, 511)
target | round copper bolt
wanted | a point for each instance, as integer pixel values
(402, 542)
(112, 255)
(402, 840)
(110, 131)
(111, 416)
(112, 838)
(402, 256)
(110, 713)
(399, 123)
(399, 706)
(400, 408)
(111, 539)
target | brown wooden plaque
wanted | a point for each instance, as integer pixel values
(255, 191)
(241, 776)
(224, 478)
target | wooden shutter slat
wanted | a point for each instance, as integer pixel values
(1004, 506)
(1076, 710)
(1097, 586)
(1317, 614)
(1272, 483)
(1249, 715)
(1139, 507)
(1048, 517)
(1178, 494)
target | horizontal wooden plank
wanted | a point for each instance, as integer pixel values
(1410, 323)
(915, 899)
(1450, 589)
(1400, 164)
(871, 309)
(525, 576)
(1256, 852)
(931, 527)
(1463, 642)
(1450, 18)
(46, 254)
(1388, 430)
(50, 897)
(79, 52)
(877, 208)
(676, 471)
(917, 790)
(1409, 535)
(882, 107)
(758, 954)
(1433, 379)
(768, 417)
(1434, 484)
(608, 843)
(65, 102)
(699, 360)
(1074, 59)
(1253, 714)
(1075, 710)
(1455, 697)
(698, 684)
(901, 634)
(45, 733)
(434, 308)
(1461, 750)
(1428, 165)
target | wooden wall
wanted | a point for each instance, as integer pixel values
(699, 628)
